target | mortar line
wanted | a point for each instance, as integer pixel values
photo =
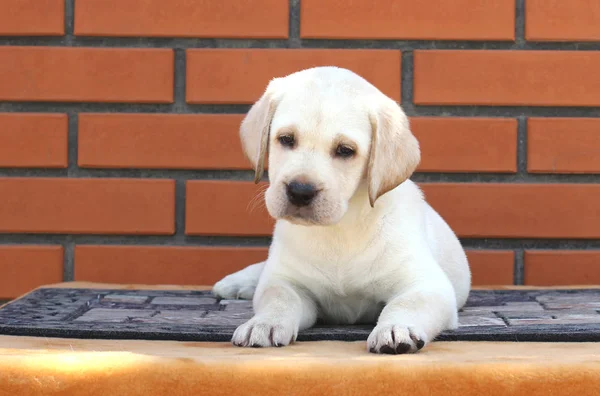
(89, 107)
(483, 243)
(69, 260)
(180, 198)
(133, 240)
(73, 145)
(153, 42)
(294, 24)
(179, 81)
(69, 22)
(407, 81)
(522, 146)
(519, 267)
(520, 24)
(75, 172)
(248, 175)
(445, 111)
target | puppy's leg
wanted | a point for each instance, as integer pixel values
(239, 285)
(413, 318)
(281, 310)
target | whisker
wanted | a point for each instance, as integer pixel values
(257, 200)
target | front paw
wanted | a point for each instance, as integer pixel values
(262, 332)
(395, 339)
(234, 287)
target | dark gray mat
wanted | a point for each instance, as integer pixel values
(506, 315)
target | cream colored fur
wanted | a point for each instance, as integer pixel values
(368, 249)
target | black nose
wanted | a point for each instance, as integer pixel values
(301, 194)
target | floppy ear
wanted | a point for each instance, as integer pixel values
(395, 152)
(254, 132)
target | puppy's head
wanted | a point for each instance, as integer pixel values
(326, 130)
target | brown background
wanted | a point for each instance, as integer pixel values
(119, 156)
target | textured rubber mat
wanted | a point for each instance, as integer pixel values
(506, 315)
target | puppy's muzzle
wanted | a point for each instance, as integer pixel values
(301, 194)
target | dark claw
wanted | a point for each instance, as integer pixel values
(271, 336)
(402, 348)
(387, 350)
(420, 343)
(255, 346)
(372, 350)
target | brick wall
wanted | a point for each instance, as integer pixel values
(119, 155)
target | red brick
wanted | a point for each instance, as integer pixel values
(451, 144)
(507, 78)
(33, 140)
(210, 141)
(32, 17)
(474, 210)
(226, 208)
(87, 206)
(491, 267)
(502, 210)
(162, 264)
(25, 267)
(183, 141)
(182, 18)
(563, 145)
(86, 74)
(559, 20)
(241, 75)
(179, 265)
(562, 268)
(474, 20)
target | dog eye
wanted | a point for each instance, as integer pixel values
(286, 140)
(344, 151)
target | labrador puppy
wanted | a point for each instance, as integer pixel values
(354, 241)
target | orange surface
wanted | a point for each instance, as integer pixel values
(491, 267)
(93, 206)
(408, 19)
(507, 78)
(563, 145)
(86, 74)
(32, 17)
(562, 267)
(241, 75)
(491, 210)
(504, 210)
(226, 208)
(45, 366)
(162, 264)
(206, 265)
(160, 141)
(182, 18)
(26, 267)
(211, 141)
(33, 140)
(457, 144)
(559, 20)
